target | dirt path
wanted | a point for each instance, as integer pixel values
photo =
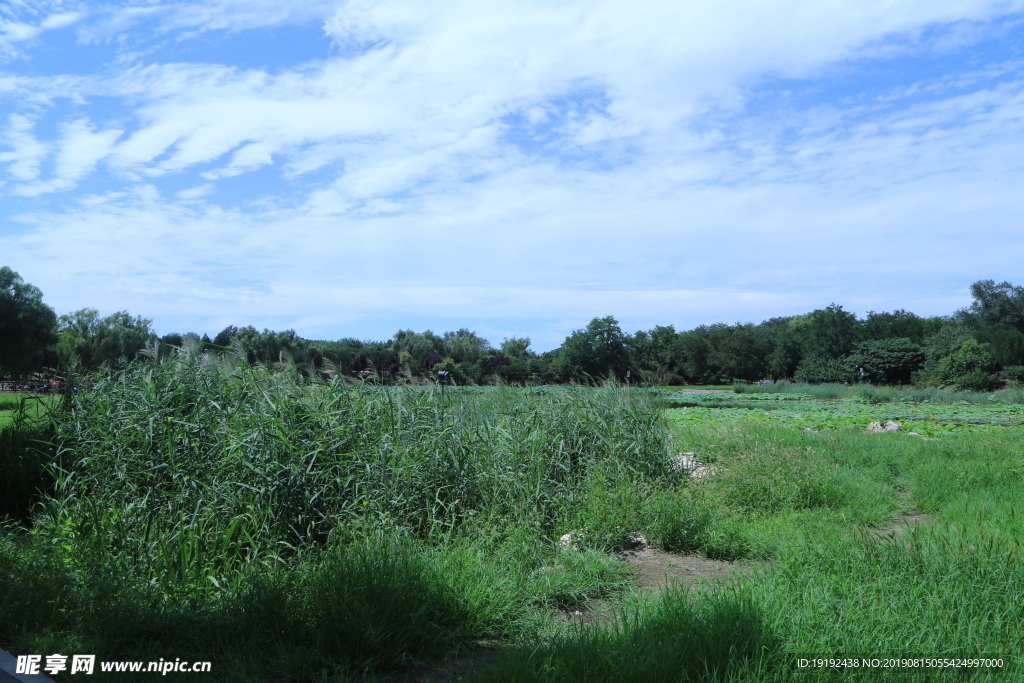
(655, 568)
(901, 526)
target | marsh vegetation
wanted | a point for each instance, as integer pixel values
(295, 529)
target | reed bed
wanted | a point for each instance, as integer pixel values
(294, 529)
(196, 503)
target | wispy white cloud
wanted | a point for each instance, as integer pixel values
(14, 32)
(81, 148)
(493, 159)
(26, 151)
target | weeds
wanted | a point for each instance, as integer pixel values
(296, 530)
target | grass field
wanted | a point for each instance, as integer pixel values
(287, 531)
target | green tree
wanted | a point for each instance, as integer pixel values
(994, 304)
(464, 346)
(767, 332)
(516, 347)
(689, 355)
(27, 325)
(1005, 342)
(900, 324)
(970, 358)
(736, 352)
(788, 349)
(595, 352)
(886, 361)
(420, 347)
(86, 340)
(650, 350)
(831, 333)
(224, 337)
(266, 347)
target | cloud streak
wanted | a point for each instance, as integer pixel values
(704, 161)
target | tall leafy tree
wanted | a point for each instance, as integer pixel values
(1006, 344)
(689, 355)
(224, 337)
(900, 324)
(736, 352)
(790, 341)
(516, 347)
(994, 304)
(464, 346)
(831, 333)
(267, 346)
(886, 361)
(767, 332)
(597, 351)
(650, 350)
(420, 346)
(27, 325)
(87, 340)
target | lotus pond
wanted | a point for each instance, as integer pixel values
(806, 412)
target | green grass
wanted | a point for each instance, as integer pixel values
(295, 531)
(947, 589)
(224, 513)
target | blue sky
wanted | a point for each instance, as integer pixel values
(517, 168)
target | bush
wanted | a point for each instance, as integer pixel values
(685, 523)
(822, 371)
(1013, 372)
(24, 453)
(970, 358)
(611, 516)
(886, 361)
(976, 381)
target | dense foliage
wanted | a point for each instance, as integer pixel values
(976, 348)
(26, 324)
(291, 529)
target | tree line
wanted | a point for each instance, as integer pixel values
(974, 348)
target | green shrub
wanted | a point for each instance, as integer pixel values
(885, 361)
(976, 381)
(611, 516)
(1013, 372)
(971, 357)
(25, 452)
(822, 370)
(688, 523)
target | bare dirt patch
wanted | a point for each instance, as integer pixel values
(656, 568)
(902, 525)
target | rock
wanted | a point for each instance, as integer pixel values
(567, 541)
(637, 541)
(812, 431)
(685, 462)
(705, 471)
(887, 426)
